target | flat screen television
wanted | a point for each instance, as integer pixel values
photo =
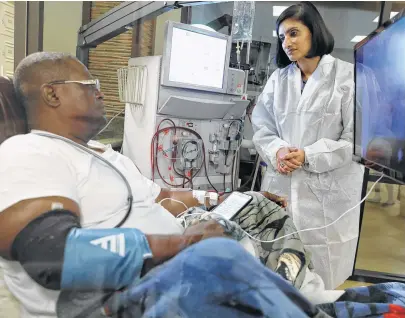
(379, 126)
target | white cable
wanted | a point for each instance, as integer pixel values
(181, 214)
(305, 230)
(108, 124)
(188, 215)
(321, 227)
(177, 201)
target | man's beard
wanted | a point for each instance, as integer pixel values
(93, 124)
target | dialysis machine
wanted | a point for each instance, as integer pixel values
(184, 114)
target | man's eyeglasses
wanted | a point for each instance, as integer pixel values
(94, 82)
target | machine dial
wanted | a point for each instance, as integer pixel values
(190, 151)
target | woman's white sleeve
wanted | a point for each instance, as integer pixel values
(266, 137)
(327, 154)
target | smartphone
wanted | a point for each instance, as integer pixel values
(232, 205)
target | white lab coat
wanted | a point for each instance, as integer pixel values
(320, 121)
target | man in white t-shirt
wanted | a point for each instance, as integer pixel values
(64, 199)
(39, 173)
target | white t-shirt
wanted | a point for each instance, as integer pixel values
(33, 166)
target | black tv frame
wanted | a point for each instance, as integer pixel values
(397, 176)
(390, 177)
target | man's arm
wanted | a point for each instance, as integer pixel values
(14, 219)
(168, 200)
(18, 216)
(58, 254)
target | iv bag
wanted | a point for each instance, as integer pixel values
(242, 21)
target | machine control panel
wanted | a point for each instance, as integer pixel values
(236, 82)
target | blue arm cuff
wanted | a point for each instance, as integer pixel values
(103, 258)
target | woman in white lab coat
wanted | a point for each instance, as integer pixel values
(303, 124)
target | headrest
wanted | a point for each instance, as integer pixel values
(13, 120)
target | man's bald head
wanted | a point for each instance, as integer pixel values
(38, 69)
(60, 95)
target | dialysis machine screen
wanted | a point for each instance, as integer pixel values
(380, 99)
(197, 59)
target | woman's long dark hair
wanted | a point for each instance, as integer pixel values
(322, 40)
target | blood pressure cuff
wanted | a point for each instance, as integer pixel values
(58, 254)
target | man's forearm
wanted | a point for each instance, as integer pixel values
(168, 200)
(164, 247)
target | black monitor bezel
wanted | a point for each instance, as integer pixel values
(389, 172)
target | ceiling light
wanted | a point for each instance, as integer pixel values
(277, 10)
(274, 33)
(358, 38)
(393, 14)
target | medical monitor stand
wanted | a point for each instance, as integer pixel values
(362, 275)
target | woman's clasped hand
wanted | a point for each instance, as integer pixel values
(289, 159)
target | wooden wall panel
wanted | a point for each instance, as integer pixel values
(106, 58)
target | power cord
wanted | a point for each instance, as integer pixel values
(244, 187)
(321, 227)
(111, 120)
(236, 151)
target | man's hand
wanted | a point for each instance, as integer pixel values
(202, 231)
(275, 198)
(284, 165)
(165, 247)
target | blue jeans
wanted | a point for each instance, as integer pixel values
(214, 278)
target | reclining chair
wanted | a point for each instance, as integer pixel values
(12, 122)
(12, 115)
